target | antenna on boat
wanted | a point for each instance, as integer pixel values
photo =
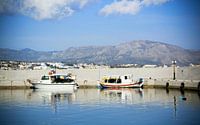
(98, 81)
(55, 68)
(99, 73)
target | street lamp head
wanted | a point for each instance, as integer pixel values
(174, 62)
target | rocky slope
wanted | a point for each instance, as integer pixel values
(140, 52)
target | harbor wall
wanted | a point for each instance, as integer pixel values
(190, 76)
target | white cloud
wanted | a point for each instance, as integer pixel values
(128, 6)
(42, 9)
(154, 2)
(121, 7)
(56, 9)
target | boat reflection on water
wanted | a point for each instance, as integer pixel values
(94, 106)
(122, 95)
(53, 98)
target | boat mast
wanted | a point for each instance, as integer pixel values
(55, 68)
(99, 73)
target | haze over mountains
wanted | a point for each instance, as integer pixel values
(137, 52)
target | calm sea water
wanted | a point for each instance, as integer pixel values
(99, 107)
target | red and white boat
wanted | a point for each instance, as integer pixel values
(126, 81)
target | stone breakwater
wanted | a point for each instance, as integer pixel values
(186, 77)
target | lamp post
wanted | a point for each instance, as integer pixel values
(174, 66)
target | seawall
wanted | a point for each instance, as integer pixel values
(154, 77)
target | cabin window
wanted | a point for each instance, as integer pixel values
(63, 79)
(53, 78)
(125, 77)
(119, 81)
(68, 80)
(112, 81)
(45, 77)
(105, 80)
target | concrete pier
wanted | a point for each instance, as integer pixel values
(187, 77)
(173, 84)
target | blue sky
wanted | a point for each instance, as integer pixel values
(56, 25)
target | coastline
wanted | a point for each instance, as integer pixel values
(187, 78)
(194, 86)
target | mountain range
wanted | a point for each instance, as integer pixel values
(135, 52)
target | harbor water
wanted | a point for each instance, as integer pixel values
(99, 107)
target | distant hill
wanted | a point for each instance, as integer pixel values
(139, 52)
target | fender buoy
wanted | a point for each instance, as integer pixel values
(198, 87)
(167, 85)
(182, 86)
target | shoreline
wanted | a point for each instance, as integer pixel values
(187, 88)
(186, 77)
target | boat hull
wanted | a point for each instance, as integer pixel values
(122, 85)
(53, 87)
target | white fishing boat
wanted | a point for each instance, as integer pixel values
(54, 81)
(126, 81)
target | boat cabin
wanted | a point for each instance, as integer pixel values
(56, 79)
(117, 79)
